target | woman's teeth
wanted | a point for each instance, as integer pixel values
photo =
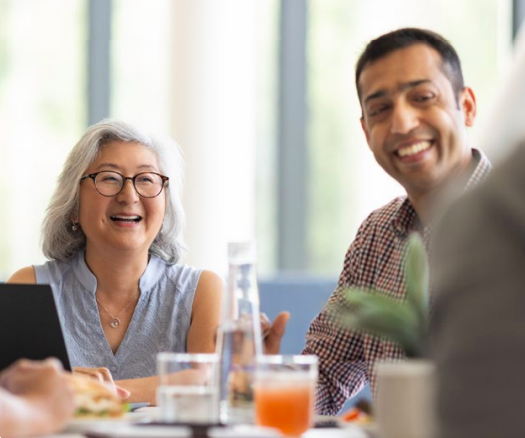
(414, 149)
(126, 218)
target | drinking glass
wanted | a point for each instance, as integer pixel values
(188, 389)
(284, 392)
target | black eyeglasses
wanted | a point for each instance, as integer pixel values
(109, 183)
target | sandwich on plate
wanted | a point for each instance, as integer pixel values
(94, 399)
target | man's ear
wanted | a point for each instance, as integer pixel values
(363, 126)
(467, 102)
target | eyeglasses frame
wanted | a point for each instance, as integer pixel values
(164, 178)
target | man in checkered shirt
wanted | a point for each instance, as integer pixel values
(415, 110)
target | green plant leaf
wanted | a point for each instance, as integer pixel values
(417, 279)
(380, 315)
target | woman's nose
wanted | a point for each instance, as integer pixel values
(128, 192)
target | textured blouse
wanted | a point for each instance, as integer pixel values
(160, 322)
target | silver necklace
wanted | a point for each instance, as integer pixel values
(115, 321)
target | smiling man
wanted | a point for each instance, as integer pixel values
(415, 111)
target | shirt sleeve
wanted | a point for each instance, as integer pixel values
(342, 368)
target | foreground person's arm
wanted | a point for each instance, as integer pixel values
(35, 398)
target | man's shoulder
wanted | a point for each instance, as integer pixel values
(383, 221)
(389, 212)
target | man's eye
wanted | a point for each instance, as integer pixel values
(424, 97)
(375, 111)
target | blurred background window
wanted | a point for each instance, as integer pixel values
(260, 96)
(42, 111)
(344, 183)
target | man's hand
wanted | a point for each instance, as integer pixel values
(273, 333)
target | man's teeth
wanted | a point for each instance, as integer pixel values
(414, 149)
(126, 218)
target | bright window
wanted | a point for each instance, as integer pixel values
(42, 114)
(345, 183)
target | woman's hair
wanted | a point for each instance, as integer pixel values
(61, 242)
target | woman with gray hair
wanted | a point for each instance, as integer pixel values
(112, 233)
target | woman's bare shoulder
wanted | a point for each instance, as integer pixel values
(25, 275)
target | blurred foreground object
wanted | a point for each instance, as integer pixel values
(35, 398)
(477, 324)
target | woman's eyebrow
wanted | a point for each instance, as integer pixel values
(117, 167)
(111, 165)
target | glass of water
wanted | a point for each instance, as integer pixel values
(188, 388)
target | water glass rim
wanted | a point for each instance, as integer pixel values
(288, 359)
(168, 356)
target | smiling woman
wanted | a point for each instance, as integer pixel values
(113, 234)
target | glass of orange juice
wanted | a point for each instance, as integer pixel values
(284, 390)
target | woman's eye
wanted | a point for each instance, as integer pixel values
(109, 179)
(146, 179)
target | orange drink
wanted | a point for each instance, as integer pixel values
(284, 393)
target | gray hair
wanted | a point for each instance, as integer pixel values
(61, 242)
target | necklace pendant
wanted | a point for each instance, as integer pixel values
(114, 323)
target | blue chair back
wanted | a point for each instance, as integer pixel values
(303, 297)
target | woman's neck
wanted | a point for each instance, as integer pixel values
(117, 275)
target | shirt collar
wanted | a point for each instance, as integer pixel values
(88, 280)
(406, 220)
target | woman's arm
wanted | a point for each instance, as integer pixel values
(143, 389)
(205, 314)
(205, 317)
(25, 275)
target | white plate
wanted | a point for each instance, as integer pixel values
(124, 430)
(80, 425)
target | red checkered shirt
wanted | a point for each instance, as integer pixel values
(375, 260)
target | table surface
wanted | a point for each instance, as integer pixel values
(124, 429)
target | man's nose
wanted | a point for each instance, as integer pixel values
(404, 118)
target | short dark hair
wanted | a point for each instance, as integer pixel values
(406, 37)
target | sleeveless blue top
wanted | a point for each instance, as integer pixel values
(160, 322)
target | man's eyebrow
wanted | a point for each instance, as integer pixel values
(413, 84)
(382, 93)
(376, 95)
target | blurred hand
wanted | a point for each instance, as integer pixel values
(46, 398)
(273, 332)
(103, 375)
